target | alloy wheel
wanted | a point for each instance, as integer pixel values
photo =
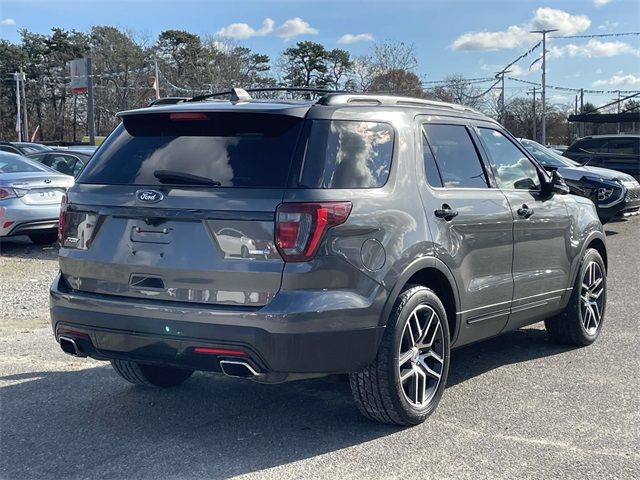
(421, 356)
(592, 297)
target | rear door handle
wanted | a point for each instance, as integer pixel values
(446, 212)
(525, 211)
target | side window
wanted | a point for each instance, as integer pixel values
(347, 154)
(430, 167)
(63, 163)
(626, 146)
(455, 156)
(511, 167)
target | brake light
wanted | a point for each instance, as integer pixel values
(6, 193)
(301, 226)
(188, 116)
(62, 220)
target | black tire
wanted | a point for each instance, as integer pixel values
(150, 375)
(377, 389)
(569, 327)
(44, 238)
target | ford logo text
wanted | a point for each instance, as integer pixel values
(149, 196)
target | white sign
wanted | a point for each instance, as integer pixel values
(78, 69)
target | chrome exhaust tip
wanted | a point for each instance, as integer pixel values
(238, 369)
(69, 346)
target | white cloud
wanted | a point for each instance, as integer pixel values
(348, 38)
(619, 79)
(598, 71)
(594, 48)
(293, 28)
(608, 24)
(515, 70)
(7, 22)
(241, 31)
(600, 3)
(289, 29)
(518, 35)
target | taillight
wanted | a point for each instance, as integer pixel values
(7, 193)
(62, 220)
(301, 226)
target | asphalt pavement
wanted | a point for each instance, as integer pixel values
(517, 406)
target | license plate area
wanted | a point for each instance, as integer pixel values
(146, 234)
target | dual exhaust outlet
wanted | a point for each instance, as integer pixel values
(231, 368)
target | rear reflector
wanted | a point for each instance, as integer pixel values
(72, 333)
(188, 116)
(219, 351)
(301, 226)
(8, 223)
(62, 220)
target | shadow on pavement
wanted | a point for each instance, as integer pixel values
(90, 423)
(22, 247)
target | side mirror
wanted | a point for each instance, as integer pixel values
(556, 184)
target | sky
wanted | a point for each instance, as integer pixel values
(471, 38)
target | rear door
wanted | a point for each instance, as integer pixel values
(150, 215)
(541, 261)
(471, 226)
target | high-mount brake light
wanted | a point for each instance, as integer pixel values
(62, 220)
(301, 226)
(188, 116)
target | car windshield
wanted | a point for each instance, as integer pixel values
(12, 163)
(548, 158)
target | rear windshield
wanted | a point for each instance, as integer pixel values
(230, 149)
(12, 163)
(346, 154)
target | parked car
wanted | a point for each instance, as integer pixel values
(30, 196)
(22, 148)
(617, 152)
(614, 193)
(404, 227)
(31, 147)
(67, 161)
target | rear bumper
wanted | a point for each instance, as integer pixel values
(167, 333)
(21, 219)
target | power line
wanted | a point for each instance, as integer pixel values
(600, 35)
(568, 89)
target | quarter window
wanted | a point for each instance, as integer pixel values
(456, 157)
(346, 154)
(511, 167)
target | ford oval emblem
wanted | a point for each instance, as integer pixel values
(149, 196)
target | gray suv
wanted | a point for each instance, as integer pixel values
(356, 234)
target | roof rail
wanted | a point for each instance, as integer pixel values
(373, 99)
(234, 92)
(168, 101)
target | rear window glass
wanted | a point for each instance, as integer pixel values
(346, 154)
(12, 163)
(230, 149)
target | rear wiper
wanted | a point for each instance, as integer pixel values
(172, 176)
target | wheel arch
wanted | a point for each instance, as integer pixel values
(434, 274)
(598, 243)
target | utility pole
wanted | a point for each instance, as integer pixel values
(24, 107)
(618, 111)
(535, 119)
(157, 80)
(543, 138)
(581, 124)
(90, 114)
(17, 77)
(500, 76)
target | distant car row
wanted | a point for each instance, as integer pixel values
(614, 193)
(66, 160)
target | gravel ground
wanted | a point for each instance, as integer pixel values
(26, 271)
(517, 406)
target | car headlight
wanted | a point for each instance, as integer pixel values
(604, 194)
